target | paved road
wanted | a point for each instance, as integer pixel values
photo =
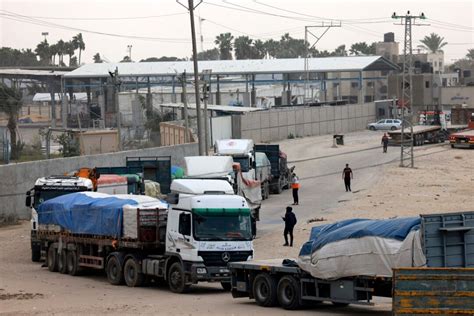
(321, 184)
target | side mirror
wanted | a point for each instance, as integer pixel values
(184, 224)
(28, 199)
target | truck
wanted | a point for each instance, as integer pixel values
(243, 152)
(134, 238)
(47, 188)
(223, 168)
(421, 134)
(281, 174)
(464, 138)
(444, 281)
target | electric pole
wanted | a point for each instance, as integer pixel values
(182, 78)
(307, 31)
(406, 150)
(191, 8)
(116, 84)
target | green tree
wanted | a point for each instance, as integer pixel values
(162, 58)
(15, 57)
(53, 51)
(43, 52)
(340, 51)
(433, 42)
(61, 46)
(10, 104)
(362, 48)
(259, 49)
(210, 54)
(243, 47)
(69, 49)
(97, 58)
(79, 44)
(224, 42)
(470, 54)
(126, 59)
(271, 47)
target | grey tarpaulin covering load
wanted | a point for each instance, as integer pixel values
(362, 247)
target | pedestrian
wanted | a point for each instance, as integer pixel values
(347, 176)
(290, 222)
(295, 185)
(385, 142)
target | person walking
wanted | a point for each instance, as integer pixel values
(290, 222)
(385, 142)
(295, 185)
(347, 176)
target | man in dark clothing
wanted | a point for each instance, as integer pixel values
(347, 176)
(385, 142)
(290, 222)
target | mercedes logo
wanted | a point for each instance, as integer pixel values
(226, 256)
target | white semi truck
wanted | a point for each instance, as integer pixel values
(191, 240)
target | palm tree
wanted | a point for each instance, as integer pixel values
(10, 104)
(340, 51)
(259, 49)
(53, 50)
(433, 42)
(61, 46)
(69, 50)
(470, 54)
(42, 50)
(79, 44)
(362, 48)
(224, 41)
(243, 47)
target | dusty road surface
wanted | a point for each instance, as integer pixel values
(442, 182)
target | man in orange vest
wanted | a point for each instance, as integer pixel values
(295, 185)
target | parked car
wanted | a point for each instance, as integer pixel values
(391, 124)
(25, 120)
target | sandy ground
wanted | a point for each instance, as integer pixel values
(442, 182)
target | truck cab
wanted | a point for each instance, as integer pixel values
(47, 188)
(208, 227)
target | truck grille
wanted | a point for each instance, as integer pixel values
(215, 258)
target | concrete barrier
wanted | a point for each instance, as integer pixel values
(16, 179)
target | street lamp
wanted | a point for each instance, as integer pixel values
(45, 34)
(129, 47)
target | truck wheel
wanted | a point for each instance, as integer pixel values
(337, 304)
(35, 253)
(114, 271)
(265, 290)
(288, 293)
(52, 259)
(72, 263)
(133, 277)
(227, 286)
(176, 278)
(62, 261)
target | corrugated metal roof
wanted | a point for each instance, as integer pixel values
(236, 67)
(30, 72)
(212, 107)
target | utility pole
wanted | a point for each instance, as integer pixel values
(182, 78)
(307, 32)
(406, 150)
(206, 78)
(116, 84)
(191, 8)
(200, 33)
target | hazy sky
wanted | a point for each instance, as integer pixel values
(164, 28)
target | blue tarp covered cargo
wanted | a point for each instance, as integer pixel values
(85, 213)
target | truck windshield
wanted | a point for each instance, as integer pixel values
(222, 224)
(244, 163)
(42, 194)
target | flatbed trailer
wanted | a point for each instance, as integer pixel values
(446, 284)
(421, 134)
(462, 139)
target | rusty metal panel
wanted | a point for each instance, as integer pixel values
(433, 291)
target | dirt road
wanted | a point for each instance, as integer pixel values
(442, 182)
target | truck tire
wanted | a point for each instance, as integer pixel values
(132, 275)
(62, 261)
(72, 263)
(227, 286)
(114, 271)
(52, 259)
(265, 290)
(35, 253)
(288, 293)
(176, 278)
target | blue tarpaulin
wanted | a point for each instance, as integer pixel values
(85, 213)
(397, 228)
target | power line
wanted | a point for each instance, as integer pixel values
(106, 18)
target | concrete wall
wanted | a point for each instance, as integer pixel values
(16, 179)
(278, 124)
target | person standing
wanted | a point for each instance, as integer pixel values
(295, 186)
(347, 176)
(290, 222)
(385, 142)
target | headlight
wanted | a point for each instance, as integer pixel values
(201, 270)
(250, 258)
